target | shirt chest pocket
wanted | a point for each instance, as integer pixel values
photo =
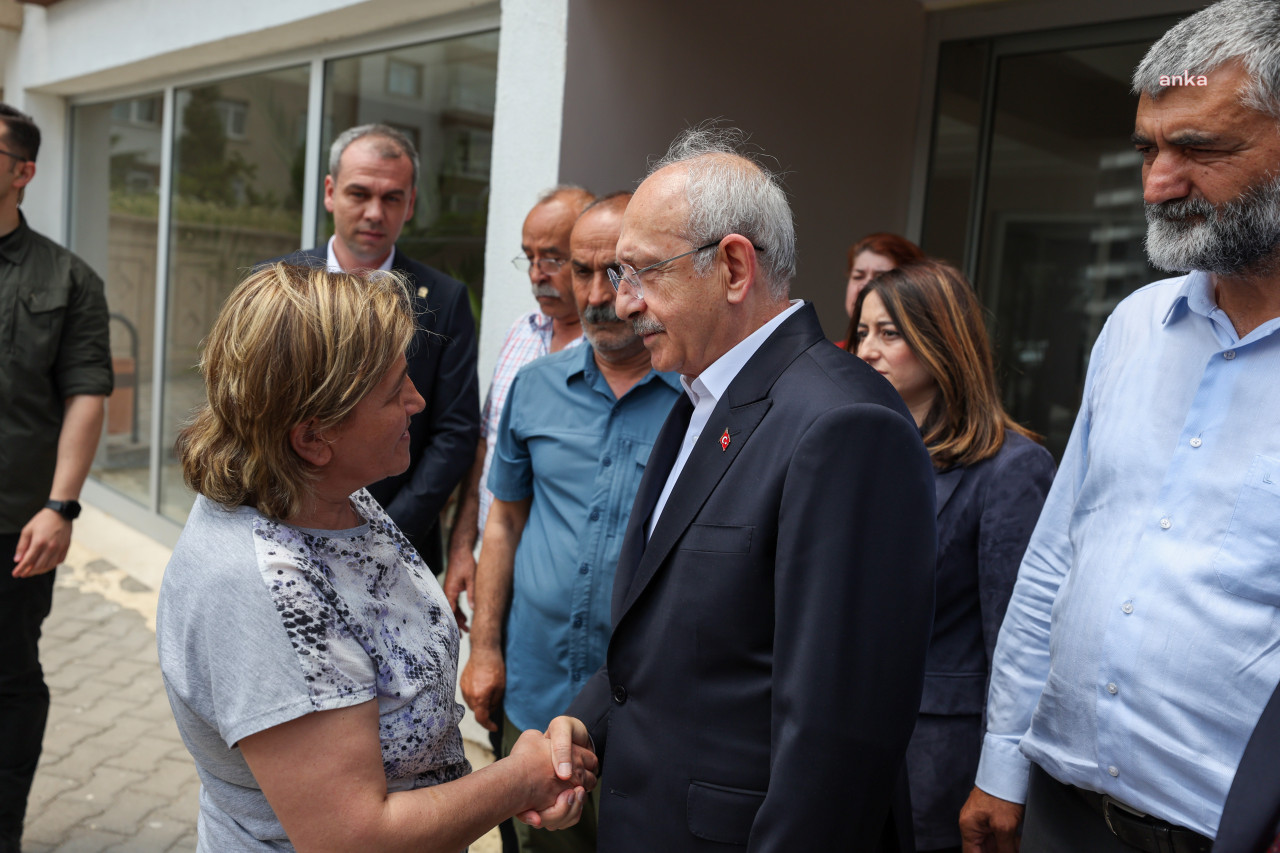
(37, 328)
(1248, 561)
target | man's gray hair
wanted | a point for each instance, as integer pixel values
(1244, 30)
(396, 145)
(731, 192)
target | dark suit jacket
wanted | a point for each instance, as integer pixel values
(442, 438)
(1251, 815)
(768, 647)
(986, 513)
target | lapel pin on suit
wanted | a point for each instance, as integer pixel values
(724, 440)
(422, 292)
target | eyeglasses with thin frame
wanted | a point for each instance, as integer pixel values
(548, 266)
(631, 275)
(17, 157)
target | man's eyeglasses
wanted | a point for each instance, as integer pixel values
(631, 275)
(548, 266)
(17, 157)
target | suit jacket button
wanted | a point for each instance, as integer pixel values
(619, 694)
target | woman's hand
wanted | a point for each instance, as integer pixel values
(573, 760)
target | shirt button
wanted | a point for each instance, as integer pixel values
(1113, 770)
(582, 570)
(595, 515)
(1112, 689)
(1229, 354)
(577, 675)
(607, 462)
(577, 621)
(1127, 607)
(620, 694)
(1165, 523)
(1196, 442)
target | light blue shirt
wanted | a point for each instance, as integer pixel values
(580, 452)
(1143, 637)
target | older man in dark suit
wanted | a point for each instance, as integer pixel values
(371, 189)
(773, 598)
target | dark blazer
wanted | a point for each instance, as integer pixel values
(769, 640)
(986, 513)
(442, 438)
(1251, 815)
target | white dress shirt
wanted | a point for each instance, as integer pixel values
(334, 266)
(706, 389)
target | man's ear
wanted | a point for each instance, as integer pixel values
(328, 193)
(740, 267)
(312, 446)
(26, 173)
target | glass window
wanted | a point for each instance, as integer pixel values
(441, 95)
(115, 165)
(237, 200)
(1035, 190)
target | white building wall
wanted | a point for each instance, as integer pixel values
(87, 48)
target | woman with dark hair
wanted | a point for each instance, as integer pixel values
(921, 327)
(309, 655)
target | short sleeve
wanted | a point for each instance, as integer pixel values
(511, 473)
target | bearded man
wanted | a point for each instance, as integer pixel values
(1140, 644)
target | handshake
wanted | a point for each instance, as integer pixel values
(558, 768)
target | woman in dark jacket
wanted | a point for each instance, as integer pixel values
(922, 328)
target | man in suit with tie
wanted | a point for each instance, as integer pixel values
(774, 593)
(371, 189)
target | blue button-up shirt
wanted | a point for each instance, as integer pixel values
(565, 440)
(1143, 637)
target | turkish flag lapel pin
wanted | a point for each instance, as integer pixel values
(724, 440)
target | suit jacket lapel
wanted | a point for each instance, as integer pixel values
(666, 447)
(740, 411)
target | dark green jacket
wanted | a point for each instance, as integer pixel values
(53, 344)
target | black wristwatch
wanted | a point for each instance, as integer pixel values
(70, 510)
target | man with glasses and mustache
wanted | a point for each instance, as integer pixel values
(55, 371)
(571, 447)
(544, 246)
(1139, 647)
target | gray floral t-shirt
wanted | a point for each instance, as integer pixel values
(261, 623)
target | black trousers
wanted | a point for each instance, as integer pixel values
(1058, 820)
(24, 697)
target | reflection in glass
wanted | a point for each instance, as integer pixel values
(238, 167)
(1059, 232)
(115, 151)
(1063, 223)
(441, 95)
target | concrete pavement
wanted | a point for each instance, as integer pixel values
(114, 775)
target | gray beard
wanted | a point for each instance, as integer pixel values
(1231, 237)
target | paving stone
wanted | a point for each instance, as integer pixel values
(61, 816)
(167, 777)
(185, 844)
(89, 841)
(128, 813)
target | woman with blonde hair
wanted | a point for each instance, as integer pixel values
(921, 327)
(309, 655)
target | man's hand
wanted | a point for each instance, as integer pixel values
(571, 788)
(989, 824)
(42, 545)
(484, 679)
(460, 577)
(573, 757)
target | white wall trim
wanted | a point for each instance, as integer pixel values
(528, 117)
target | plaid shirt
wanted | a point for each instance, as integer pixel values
(528, 338)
